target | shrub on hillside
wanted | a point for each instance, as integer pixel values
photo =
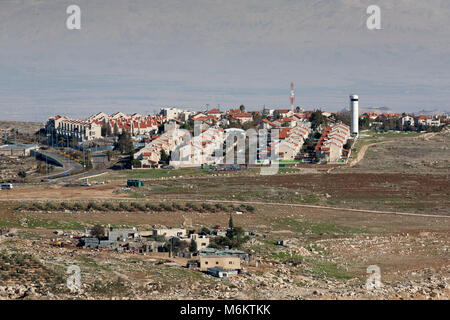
(50, 206)
(250, 208)
(65, 206)
(124, 206)
(109, 206)
(94, 206)
(151, 207)
(79, 206)
(177, 206)
(165, 207)
(220, 207)
(192, 206)
(138, 206)
(207, 206)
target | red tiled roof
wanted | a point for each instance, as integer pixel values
(284, 133)
(270, 122)
(242, 115)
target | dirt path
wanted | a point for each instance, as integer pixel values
(325, 207)
(363, 151)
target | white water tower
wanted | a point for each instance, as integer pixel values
(354, 113)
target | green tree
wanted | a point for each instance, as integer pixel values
(124, 144)
(317, 119)
(136, 163)
(205, 231)
(257, 118)
(98, 231)
(86, 160)
(110, 154)
(193, 246)
(176, 245)
(164, 155)
(242, 108)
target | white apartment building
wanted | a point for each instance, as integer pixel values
(80, 130)
(171, 113)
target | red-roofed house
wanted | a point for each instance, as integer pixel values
(241, 117)
(215, 112)
(266, 124)
(283, 113)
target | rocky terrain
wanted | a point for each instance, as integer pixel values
(108, 275)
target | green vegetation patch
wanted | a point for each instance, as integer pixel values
(316, 227)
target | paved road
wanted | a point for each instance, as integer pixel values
(69, 166)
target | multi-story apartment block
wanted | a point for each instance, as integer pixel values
(79, 130)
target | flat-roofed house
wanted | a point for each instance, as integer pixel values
(201, 241)
(22, 150)
(218, 261)
(169, 233)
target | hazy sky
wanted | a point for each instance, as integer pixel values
(140, 55)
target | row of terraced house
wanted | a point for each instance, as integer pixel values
(330, 147)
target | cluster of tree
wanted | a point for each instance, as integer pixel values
(164, 156)
(176, 245)
(45, 168)
(22, 174)
(344, 117)
(188, 125)
(234, 238)
(86, 160)
(317, 119)
(106, 130)
(97, 231)
(124, 143)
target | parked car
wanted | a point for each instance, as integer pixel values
(168, 167)
(230, 167)
(7, 186)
